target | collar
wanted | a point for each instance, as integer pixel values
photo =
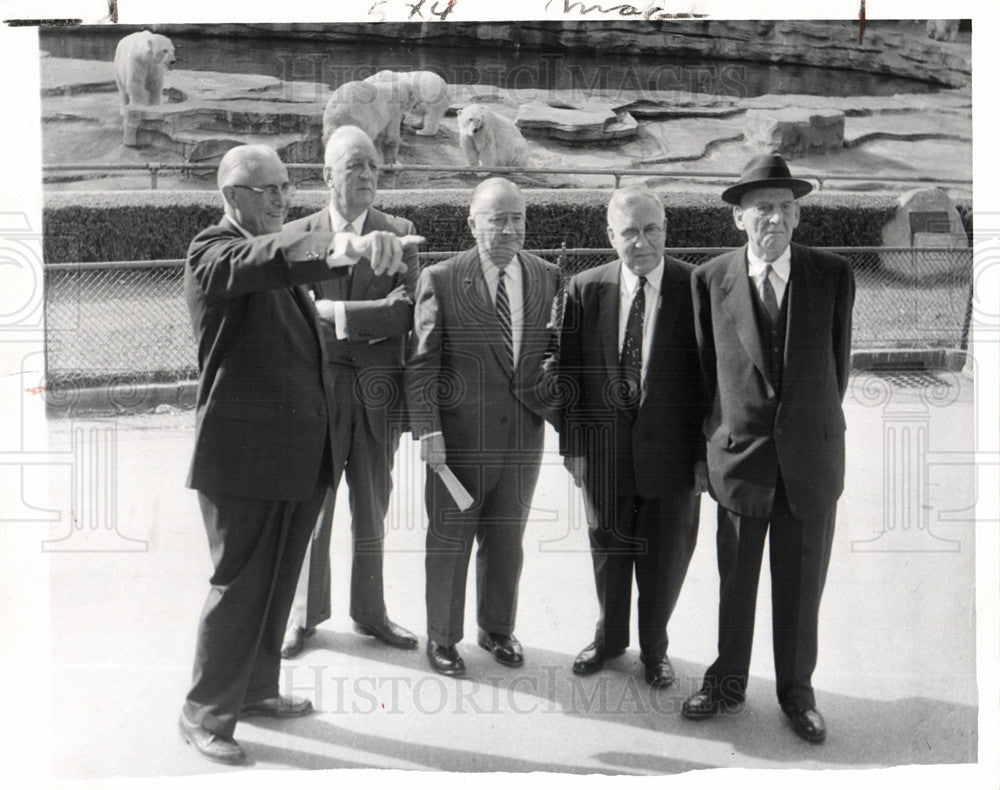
(489, 267)
(781, 266)
(237, 225)
(338, 222)
(629, 280)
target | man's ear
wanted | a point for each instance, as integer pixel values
(328, 176)
(611, 236)
(738, 217)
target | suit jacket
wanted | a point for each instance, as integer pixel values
(753, 429)
(377, 326)
(458, 378)
(661, 442)
(261, 404)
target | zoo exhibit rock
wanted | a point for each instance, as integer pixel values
(587, 122)
(926, 219)
(794, 132)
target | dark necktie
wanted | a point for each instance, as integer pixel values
(503, 317)
(767, 294)
(631, 357)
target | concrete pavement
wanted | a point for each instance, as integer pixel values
(896, 679)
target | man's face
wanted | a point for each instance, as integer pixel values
(263, 211)
(768, 216)
(352, 175)
(638, 232)
(496, 220)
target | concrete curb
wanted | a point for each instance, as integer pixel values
(132, 398)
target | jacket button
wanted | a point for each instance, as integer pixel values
(777, 431)
(503, 420)
(319, 410)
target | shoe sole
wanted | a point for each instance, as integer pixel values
(237, 759)
(448, 673)
(248, 714)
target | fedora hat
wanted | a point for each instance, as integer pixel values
(762, 172)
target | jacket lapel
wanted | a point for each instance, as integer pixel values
(483, 312)
(672, 288)
(801, 307)
(533, 305)
(738, 304)
(607, 317)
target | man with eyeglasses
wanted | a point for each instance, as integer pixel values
(364, 322)
(631, 435)
(262, 456)
(481, 335)
(773, 321)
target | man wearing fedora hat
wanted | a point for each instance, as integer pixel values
(773, 325)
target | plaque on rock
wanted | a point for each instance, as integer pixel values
(927, 223)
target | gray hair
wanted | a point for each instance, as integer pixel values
(626, 195)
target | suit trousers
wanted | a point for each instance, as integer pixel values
(257, 547)
(654, 539)
(799, 558)
(496, 521)
(366, 462)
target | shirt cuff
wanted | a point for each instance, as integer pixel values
(429, 434)
(340, 320)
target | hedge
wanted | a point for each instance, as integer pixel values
(151, 225)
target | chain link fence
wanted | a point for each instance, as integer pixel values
(127, 322)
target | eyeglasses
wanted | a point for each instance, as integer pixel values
(272, 191)
(632, 234)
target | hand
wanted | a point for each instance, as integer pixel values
(576, 465)
(383, 249)
(324, 307)
(399, 294)
(700, 477)
(432, 450)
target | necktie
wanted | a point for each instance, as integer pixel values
(767, 294)
(631, 356)
(503, 317)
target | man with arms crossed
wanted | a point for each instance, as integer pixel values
(262, 460)
(631, 432)
(773, 321)
(364, 322)
(481, 334)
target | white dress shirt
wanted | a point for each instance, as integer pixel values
(628, 282)
(781, 270)
(514, 283)
(342, 225)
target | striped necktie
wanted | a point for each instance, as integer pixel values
(503, 317)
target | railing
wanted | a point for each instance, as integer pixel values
(128, 322)
(156, 168)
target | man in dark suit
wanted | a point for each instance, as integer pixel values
(262, 461)
(631, 433)
(773, 321)
(364, 323)
(481, 334)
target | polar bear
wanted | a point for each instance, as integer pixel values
(375, 107)
(427, 96)
(942, 29)
(490, 139)
(141, 62)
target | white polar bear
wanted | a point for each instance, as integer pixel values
(490, 139)
(375, 107)
(427, 96)
(141, 62)
(942, 29)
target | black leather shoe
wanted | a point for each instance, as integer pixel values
(445, 659)
(217, 748)
(659, 674)
(295, 640)
(591, 659)
(701, 705)
(808, 724)
(279, 708)
(390, 633)
(505, 648)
